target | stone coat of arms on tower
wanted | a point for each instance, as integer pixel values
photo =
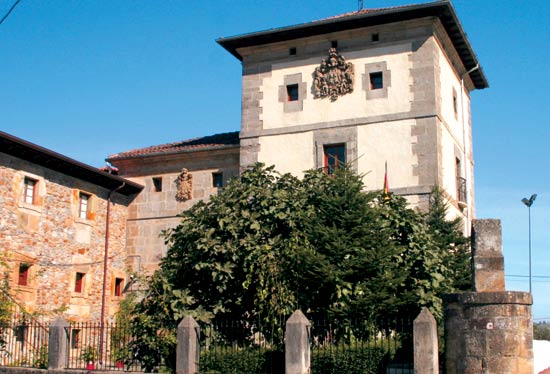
(333, 78)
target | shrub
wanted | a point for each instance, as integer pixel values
(371, 360)
(247, 360)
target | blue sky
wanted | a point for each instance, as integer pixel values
(90, 78)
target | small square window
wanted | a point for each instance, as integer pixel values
(376, 80)
(217, 180)
(23, 278)
(335, 157)
(292, 92)
(119, 284)
(455, 103)
(75, 338)
(334, 44)
(83, 205)
(375, 37)
(292, 51)
(157, 184)
(30, 190)
(79, 282)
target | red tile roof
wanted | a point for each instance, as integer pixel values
(229, 139)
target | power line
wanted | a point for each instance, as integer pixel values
(9, 11)
(526, 276)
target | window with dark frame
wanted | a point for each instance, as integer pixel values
(79, 282)
(75, 338)
(23, 278)
(30, 190)
(217, 180)
(157, 184)
(20, 333)
(334, 157)
(376, 80)
(455, 103)
(119, 283)
(292, 92)
(83, 205)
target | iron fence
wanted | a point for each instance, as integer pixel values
(23, 343)
(242, 347)
(96, 346)
(362, 347)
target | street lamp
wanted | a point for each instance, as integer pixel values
(528, 203)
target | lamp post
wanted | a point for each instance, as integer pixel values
(528, 203)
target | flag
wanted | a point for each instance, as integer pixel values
(386, 184)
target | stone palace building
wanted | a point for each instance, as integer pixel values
(369, 88)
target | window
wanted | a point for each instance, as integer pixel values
(83, 205)
(376, 80)
(292, 92)
(335, 157)
(334, 44)
(375, 37)
(79, 282)
(119, 284)
(217, 180)
(292, 51)
(157, 184)
(455, 103)
(23, 278)
(30, 190)
(75, 338)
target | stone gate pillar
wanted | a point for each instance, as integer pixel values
(489, 330)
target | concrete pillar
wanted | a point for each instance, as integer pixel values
(426, 347)
(187, 352)
(58, 344)
(297, 350)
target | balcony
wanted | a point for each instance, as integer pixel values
(461, 192)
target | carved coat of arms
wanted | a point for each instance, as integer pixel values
(185, 185)
(334, 77)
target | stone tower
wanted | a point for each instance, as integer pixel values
(368, 88)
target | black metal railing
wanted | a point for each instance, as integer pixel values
(23, 343)
(362, 346)
(242, 347)
(461, 189)
(96, 346)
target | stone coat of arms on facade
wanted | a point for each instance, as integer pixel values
(333, 78)
(185, 186)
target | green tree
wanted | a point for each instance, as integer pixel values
(270, 243)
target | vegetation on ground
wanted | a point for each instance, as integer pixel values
(269, 244)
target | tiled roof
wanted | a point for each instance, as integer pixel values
(224, 140)
(44, 157)
(364, 11)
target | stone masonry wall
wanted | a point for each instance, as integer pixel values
(49, 237)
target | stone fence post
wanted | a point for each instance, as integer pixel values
(58, 344)
(426, 348)
(297, 350)
(187, 352)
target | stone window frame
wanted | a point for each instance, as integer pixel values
(377, 67)
(91, 207)
(338, 135)
(32, 265)
(296, 105)
(39, 192)
(455, 102)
